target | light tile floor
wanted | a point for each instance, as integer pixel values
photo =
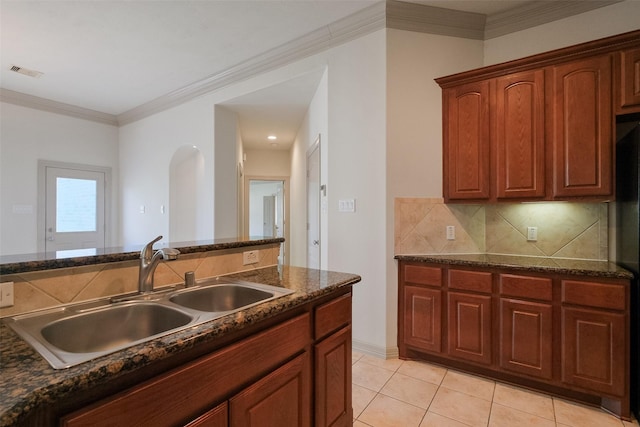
(396, 393)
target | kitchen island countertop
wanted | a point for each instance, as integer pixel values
(27, 381)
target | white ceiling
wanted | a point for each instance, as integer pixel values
(113, 56)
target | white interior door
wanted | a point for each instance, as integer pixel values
(313, 207)
(74, 209)
(269, 216)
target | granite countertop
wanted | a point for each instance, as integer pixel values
(527, 263)
(12, 264)
(27, 380)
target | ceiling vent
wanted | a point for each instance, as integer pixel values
(26, 71)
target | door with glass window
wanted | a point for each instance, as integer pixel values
(74, 209)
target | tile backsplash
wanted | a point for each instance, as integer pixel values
(565, 230)
(48, 288)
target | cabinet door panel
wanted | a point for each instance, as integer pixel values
(630, 78)
(466, 142)
(333, 380)
(470, 327)
(422, 321)
(282, 398)
(526, 337)
(593, 346)
(582, 128)
(519, 135)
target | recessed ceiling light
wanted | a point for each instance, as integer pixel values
(272, 137)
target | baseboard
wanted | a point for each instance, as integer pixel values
(374, 350)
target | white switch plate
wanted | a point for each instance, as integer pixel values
(347, 205)
(6, 294)
(451, 232)
(532, 234)
(249, 257)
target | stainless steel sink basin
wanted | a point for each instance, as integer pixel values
(75, 333)
(220, 297)
(113, 327)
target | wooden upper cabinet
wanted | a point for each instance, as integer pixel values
(466, 142)
(629, 84)
(581, 127)
(519, 135)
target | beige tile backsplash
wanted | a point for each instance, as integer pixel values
(565, 230)
(49, 288)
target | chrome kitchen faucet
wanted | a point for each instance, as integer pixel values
(149, 261)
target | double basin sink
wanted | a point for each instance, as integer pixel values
(72, 334)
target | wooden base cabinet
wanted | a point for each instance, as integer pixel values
(526, 337)
(295, 374)
(470, 327)
(561, 334)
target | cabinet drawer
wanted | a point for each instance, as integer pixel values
(539, 288)
(423, 275)
(332, 315)
(602, 295)
(478, 281)
(199, 385)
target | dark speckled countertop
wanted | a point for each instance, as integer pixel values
(27, 380)
(12, 264)
(527, 263)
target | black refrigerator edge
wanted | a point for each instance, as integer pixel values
(628, 231)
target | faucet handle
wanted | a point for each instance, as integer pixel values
(147, 251)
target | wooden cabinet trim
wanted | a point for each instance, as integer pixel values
(287, 388)
(581, 128)
(553, 57)
(592, 350)
(469, 323)
(476, 281)
(422, 275)
(537, 288)
(628, 99)
(422, 314)
(332, 315)
(519, 135)
(526, 337)
(466, 159)
(333, 374)
(600, 295)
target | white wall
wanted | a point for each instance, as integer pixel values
(595, 24)
(27, 135)
(414, 128)
(267, 163)
(356, 169)
(146, 149)
(225, 173)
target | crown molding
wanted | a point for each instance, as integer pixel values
(435, 20)
(393, 14)
(24, 100)
(537, 13)
(349, 28)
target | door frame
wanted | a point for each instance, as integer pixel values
(42, 189)
(315, 147)
(285, 208)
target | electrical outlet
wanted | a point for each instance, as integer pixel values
(6, 294)
(249, 257)
(532, 234)
(451, 232)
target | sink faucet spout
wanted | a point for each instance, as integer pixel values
(149, 261)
